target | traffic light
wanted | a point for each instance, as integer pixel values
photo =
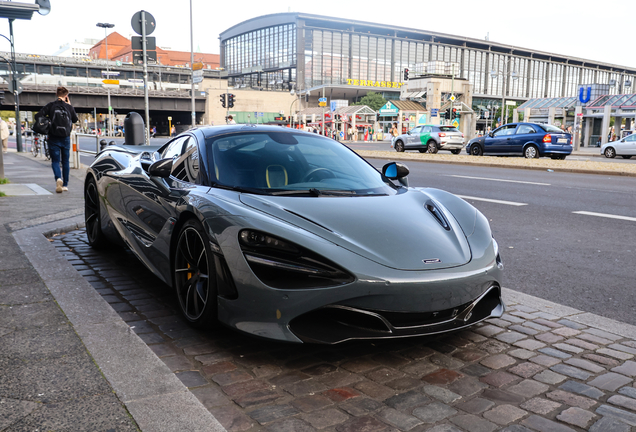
(448, 114)
(406, 74)
(454, 113)
(222, 99)
(230, 100)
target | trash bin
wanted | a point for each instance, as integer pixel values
(134, 127)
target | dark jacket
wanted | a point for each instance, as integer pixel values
(47, 111)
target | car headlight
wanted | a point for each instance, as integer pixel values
(498, 259)
(284, 265)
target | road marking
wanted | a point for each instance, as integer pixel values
(491, 200)
(499, 180)
(605, 215)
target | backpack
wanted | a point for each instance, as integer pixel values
(60, 121)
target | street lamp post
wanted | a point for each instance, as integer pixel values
(106, 26)
(504, 74)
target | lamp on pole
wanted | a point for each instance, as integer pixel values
(13, 11)
(495, 74)
(106, 26)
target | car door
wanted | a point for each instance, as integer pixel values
(523, 135)
(413, 137)
(629, 145)
(149, 204)
(425, 135)
(496, 142)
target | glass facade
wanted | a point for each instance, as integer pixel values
(264, 58)
(332, 53)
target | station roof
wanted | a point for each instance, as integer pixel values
(616, 101)
(545, 103)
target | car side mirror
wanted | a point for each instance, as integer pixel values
(396, 171)
(408, 133)
(162, 168)
(490, 134)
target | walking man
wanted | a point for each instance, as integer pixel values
(61, 115)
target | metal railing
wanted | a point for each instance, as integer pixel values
(76, 150)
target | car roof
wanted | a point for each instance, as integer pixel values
(209, 131)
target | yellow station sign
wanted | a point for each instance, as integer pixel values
(111, 81)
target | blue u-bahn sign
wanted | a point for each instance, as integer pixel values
(585, 99)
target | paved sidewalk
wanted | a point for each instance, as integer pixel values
(92, 341)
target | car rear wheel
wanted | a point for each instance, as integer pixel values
(431, 147)
(475, 150)
(399, 146)
(195, 275)
(531, 152)
(626, 157)
(456, 151)
(93, 215)
(610, 153)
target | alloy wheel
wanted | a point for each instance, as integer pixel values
(91, 212)
(191, 274)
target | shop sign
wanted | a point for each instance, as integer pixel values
(369, 83)
(388, 109)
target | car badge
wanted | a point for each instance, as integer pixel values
(432, 261)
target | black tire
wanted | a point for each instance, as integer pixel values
(422, 150)
(531, 152)
(431, 147)
(399, 146)
(194, 276)
(557, 157)
(93, 215)
(476, 150)
(456, 151)
(626, 157)
(610, 153)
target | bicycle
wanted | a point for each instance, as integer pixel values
(40, 146)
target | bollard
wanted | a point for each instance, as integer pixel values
(102, 145)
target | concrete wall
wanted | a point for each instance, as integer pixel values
(244, 100)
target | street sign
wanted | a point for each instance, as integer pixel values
(137, 44)
(486, 114)
(511, 103)
(136, 23)
(579, 114)
(322, 99)
(334, 105)
(197, 79)
(322, 104)
(111, 81)
(452, 98)
(138, 57)
(197, 66)
(455, 123)
(110, 73)
(197, 72)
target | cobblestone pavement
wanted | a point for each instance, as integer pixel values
(528, 371)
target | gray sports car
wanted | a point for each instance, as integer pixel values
(292, 236)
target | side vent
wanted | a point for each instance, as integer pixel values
(437, 214)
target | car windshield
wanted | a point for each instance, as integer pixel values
(448, 129)
(550, 128)
(288, 163)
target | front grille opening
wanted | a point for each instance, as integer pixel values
(332, 325)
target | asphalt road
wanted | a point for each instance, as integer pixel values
(584, 261)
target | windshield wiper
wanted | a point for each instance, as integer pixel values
(239, 189)
(315, 192)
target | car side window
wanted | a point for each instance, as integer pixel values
(416, 130)
(630, 138)
(186, 165)
(175, 148)
(505, 130)
(525, 129)
(427, 129)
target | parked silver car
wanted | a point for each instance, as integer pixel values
(624, 147)
(430, 138)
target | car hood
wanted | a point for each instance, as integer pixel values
(396, 231)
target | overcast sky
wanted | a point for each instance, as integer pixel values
(588, 29)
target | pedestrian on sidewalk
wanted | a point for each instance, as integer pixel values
(394, 133)
(61, 115)
(4, 135)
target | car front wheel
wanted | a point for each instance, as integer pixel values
(610, 153)
(531, 152)
(195, 275)
(476, 150)
(399, 146)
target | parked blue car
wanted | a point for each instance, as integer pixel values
(531, 140)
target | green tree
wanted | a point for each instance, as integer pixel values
(373, 100)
